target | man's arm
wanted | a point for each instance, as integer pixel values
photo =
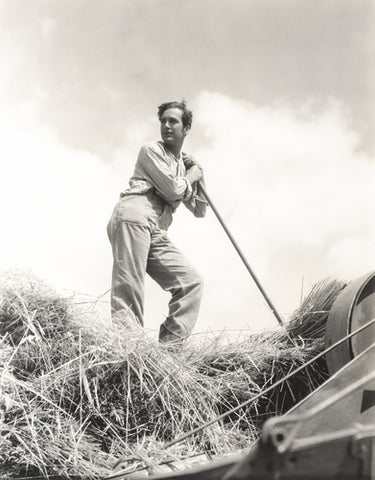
(157, 169)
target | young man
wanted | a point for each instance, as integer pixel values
(164, 177)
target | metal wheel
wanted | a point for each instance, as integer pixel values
(353, 308)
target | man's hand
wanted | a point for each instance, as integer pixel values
(194, 174)
(189, 161)
(194, 170)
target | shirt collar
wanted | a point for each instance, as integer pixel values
(168, 152)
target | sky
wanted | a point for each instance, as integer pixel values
(283, 102)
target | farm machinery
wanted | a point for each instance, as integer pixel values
(331, 433)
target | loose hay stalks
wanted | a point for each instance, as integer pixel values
(77, 391)
(309, 320)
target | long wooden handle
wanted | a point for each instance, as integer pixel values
(242, 256)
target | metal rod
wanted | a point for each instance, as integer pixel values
(242, 256)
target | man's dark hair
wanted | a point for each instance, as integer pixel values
(187, 115)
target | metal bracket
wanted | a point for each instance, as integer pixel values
(363, 448)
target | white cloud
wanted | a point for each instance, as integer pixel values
(48, 26)
(297, 180)
(295, 192)
(55, 203)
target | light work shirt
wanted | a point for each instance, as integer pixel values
(160, 177)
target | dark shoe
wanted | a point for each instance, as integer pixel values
(172, 342)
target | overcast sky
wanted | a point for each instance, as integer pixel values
(282, 94)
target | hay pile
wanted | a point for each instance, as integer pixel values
(77, 393)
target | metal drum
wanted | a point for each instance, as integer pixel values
(353, 308)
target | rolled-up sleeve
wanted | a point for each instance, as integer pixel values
(157, 168)
(197, 203)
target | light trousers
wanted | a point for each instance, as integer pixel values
(139, 248)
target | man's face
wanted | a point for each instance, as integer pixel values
(172, 129)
